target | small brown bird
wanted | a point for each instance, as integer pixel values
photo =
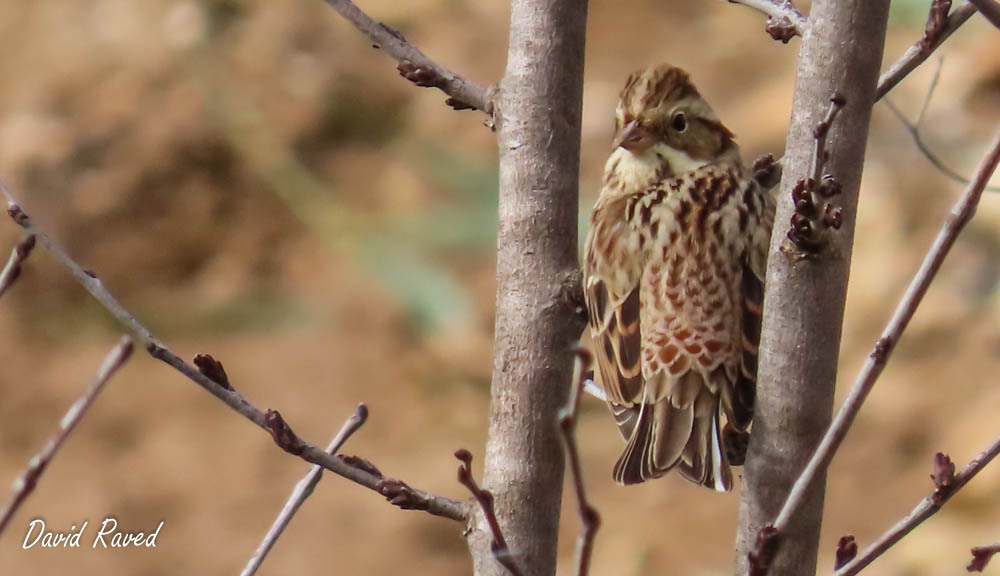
(673, 277)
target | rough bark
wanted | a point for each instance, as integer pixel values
(804, 301)
(537, 117)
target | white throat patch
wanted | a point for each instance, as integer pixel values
(636, 172)
(679, 160)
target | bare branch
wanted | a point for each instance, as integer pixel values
(822, 132)
(25, 484)
(589, 517)
(990, 10)
(593, 389)
(914, 129)
(938, 30)
(963, 211)
(784, 21)
(413, 64)
(805, 296)
(809, 220)
(303, 490)
(925, 509)
(484, 497)
(538, 120)
(914, 56)
(12, 271)
(981, 556)
(270, 421)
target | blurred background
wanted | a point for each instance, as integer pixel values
(253, 180)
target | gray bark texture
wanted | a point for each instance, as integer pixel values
(804, 299)
(537, 116)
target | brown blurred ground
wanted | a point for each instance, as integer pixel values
(254, 181)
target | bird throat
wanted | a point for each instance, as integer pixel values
(627, 172)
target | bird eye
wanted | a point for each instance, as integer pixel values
(679, 122)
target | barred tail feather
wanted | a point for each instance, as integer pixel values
(630, 468)
(657, 441)
(626, 417)
(661, 437)
(704, 459)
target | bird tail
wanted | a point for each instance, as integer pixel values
(704, 459)
(662, 436)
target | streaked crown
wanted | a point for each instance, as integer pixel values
(660, 105)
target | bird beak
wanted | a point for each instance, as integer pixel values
(634, 137)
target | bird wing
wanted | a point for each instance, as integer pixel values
(739, 406)
(616, 336)
(612, 268)
(762, 208)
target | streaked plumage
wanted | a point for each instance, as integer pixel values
(673, 273)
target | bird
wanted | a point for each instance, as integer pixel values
(673, 271)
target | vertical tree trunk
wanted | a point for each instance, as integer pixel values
(538, 122)
(804, 301)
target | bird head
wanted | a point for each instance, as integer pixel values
(662, 119)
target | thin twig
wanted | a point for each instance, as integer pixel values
(925, 509)
(25, 484)
(271, 420)
(814, 214)
(914, 56)
(935, 80)
(784, 21)
(820, 135)
(922, 49)
(589, 518)
(484, 497)
(914, 130)
(414, 65)
(12, 271)
(962, 212)
(981, 556)
(303, 490)
(990, 9)
(589, 387)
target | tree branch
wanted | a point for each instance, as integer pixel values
(25, 484)
(934, 36)
(962, 212)
(303, 489)
(413, 64)
(946, 487)
(990, 10)
(805, 293)
(499, 548)
(914, 129)
(12, 271)
(589, 518)
(784, 21)
(538, 117)
(939, 28)
(270, 421)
